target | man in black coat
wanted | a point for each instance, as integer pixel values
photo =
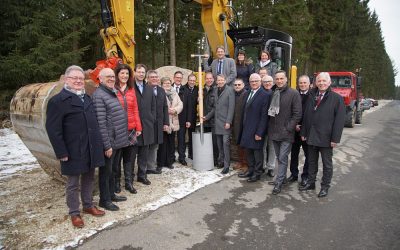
(147, 112)
(322, 129)
(193, 96)
(161, 123)
(73, 131)
(303, 88)
(208, 104)
(285, 114)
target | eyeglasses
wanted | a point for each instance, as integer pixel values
(76, 78)
(110, 76)
(237, 84)
(266, 81)
(255, 81)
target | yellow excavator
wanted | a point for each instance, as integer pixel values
(28, 106)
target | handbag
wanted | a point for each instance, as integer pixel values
(132, 138)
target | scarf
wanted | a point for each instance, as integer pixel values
(170, 95)
(79, 93)
(274, 106)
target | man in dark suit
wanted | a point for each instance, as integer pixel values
(303, 87)
(183, 117)
(147, 112)
(209, 102)
(222, 66)
(72, 127)
(223, 112)
(322, 129)
(253, 127)
(161, 123)
(192, 97)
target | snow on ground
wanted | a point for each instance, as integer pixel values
(14, 156)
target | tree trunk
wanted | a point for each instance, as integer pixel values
(172, 32)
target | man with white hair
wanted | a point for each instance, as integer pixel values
(322, 129)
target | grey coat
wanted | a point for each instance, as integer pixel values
(223, 110)
(162, 117)
(282, 127)
(112, 119)
(147, 111)
(228, 69)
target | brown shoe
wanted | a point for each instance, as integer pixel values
(77, 221)
(94, 211)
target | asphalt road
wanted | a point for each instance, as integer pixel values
(360, 212)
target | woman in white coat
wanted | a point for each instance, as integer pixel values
(166, 151)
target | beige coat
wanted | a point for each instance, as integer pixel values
(177, 106)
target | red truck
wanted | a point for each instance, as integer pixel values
(348, 85)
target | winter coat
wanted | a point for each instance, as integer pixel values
(112, 118)
(254, 119)
(324, 124)
(223, 110)
(74, 133)
(189, 100)
(271, 67)
(161, 114)
(244, 72)
(127, 99)
(147, 112)
(282, 127)
(237, 117)
(177, 106)
(304, 98)
(208, 104)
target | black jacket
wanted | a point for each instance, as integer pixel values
(209, 103)
(189, 100)
(74, 132)
(324, 124)
(162, 117)
(147, 112)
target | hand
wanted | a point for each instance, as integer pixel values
(204, 118)
(298, 127)
(227, 126)
(187, 124)
(138, 133)
(257, 138)
(333, 144)
(64, 158)
(165, 128)
(171, 111)
(108, 153)
(303, 138)
(206, 56)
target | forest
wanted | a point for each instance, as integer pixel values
(40, 38)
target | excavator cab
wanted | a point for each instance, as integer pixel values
(255, 39)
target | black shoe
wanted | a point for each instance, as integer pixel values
(272, 183)
(117, 187)
(225, 170)
(303, 182)
(170, 166)
(129, 187)
(308, 186)
(220, 165)
(190, 157)
(145, 181)
(323, 192)
(253, 178)
(153, 171)
(270, 173)
(109, 206)
(277, 189)
(245, 175)
(118, 198)
(292, 178)
(183, 162)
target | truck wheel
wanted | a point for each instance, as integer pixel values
(350, 119)
(359, 117)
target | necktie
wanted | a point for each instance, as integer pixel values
(177, 90)
(155, 91)
(250, 96)
(140, 86)
(319, 98)
(219, 70)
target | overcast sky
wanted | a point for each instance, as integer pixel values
(389, 14)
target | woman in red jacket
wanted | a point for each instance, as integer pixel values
(127, 97)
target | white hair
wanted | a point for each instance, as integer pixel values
(73, 68)
(324, 75)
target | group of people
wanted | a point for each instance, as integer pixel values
(134, 117)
